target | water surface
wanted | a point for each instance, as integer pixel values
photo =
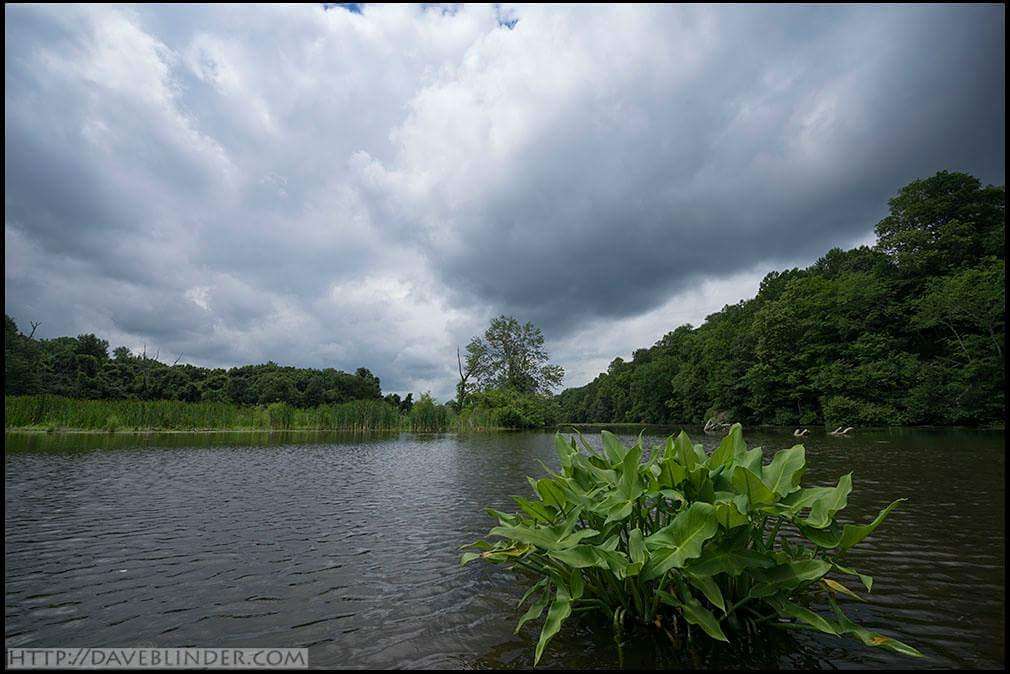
(348, 545)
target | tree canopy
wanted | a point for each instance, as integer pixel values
(907, 332)
(511, 355)
(80, 367)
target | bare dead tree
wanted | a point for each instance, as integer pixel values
(176, 361)
(463, 377)
(35, 326)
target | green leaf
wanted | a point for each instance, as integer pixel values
(468, 557)
(866, 580)
(629, 483)
(614, 449)
(828, 537)
(787, 609)
(696, 614)
(578, 557)
(542, 538)
(793, 574)
(747, 483)
(681, 540)
(727, 449)
(686, 455)
(550, 493)
(854, 533)
(536, 586)
(709, 588)
(534, 611)
(565, 450)
(783, 474)
(730, 562)
(846, 626)
(829, 502)
(560, 609)
(636, 545)
(838, 588)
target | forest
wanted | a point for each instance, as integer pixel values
(81, 367)
(909, 331)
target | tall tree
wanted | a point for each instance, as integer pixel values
(511, 355)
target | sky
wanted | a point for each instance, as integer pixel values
(326, 187)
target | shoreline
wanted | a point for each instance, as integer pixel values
(559, 427)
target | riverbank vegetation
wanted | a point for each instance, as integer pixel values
(684, 542)
(907, 332)
(81, 367)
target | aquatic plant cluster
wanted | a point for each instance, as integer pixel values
(683, 541)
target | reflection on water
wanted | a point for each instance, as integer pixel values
(348, 544)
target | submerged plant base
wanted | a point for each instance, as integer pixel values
(683, 542)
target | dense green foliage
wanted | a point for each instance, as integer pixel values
(908, 332)
(508, 408)
(507, 379)
(80, 367)
(509, 355)
(681, 538)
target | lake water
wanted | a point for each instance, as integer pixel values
(348, 545)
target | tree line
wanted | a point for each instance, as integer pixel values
(81, 367)
(909, 331)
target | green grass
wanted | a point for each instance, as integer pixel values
(44, 412)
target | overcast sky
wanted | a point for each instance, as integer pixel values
(334, 188)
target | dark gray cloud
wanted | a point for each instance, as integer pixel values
(334, 188)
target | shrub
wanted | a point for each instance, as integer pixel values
(508, 408)
(683, 538)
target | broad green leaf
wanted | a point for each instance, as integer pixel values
(672, 474)
(829, 537)
(681, 540)
(749, 459)
(636, 545)
(534, 611)
(846, 626)
(629, 483)
(728, 448)
(728, 515)
(468, 557)
(565, 450)
(542, 538)
(730, 562)
(549, 492)
(747, 483)
(783, 474)
(867, 581)
(578, 557)
(686, 455)
(696, 614)
(838, 588)
(536, 586)
(824, 508)
(709, 588)
(560, 609)
(576, 584)
(613, 447)
(854, 533)
(619, 512)
(794, 574)
(788, 609)
(535, 509)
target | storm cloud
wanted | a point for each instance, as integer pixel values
(325, 187)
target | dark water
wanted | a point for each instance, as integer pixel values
(349, 546)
